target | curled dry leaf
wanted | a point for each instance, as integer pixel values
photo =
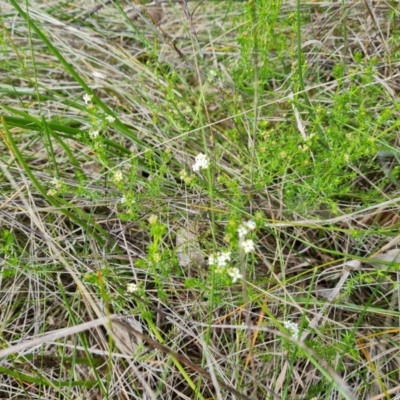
(92, 169)
(324, 292)
(188, 251)
(391, 256)
(125, 340)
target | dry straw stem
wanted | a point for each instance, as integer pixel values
(132, 78)
(109, 322)
(32, 344)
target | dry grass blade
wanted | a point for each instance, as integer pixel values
(224, 175)
(58, 334)
(184, 360)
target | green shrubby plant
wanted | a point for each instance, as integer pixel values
(247, 131)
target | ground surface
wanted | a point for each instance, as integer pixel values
(199, 200)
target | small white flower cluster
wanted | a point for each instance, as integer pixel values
(293, 327)
(132, 287)
(51, 192)
(94, 134)
(128, 200)
(87, 98)
(201, 162)
(248, 244)
(185, 177)
(220, 262)
(57, 185)
(97, 124)
(234, 273)
(118, 177)
(246, 227)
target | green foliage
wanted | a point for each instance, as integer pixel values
(290, 119)
(7, 244)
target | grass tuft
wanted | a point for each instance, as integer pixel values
(199, 200)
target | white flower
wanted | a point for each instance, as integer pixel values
(293, 327)
(303, 147)
(187, 110)
(212, 260)
(153, 219)
(87, 98)
(201, 162)
(234, 274)
(110, 119)
(127, 200)
(220, 260)
(247, 246)
(132, 287)
(223, 258)
(57, 183)
(118, 176)
(94, 134)
(245, 228)
(51, 192)
(250, 225)
(185, 177)
(183, 174)
(242, 231)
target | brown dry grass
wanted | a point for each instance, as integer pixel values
(178, 341)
